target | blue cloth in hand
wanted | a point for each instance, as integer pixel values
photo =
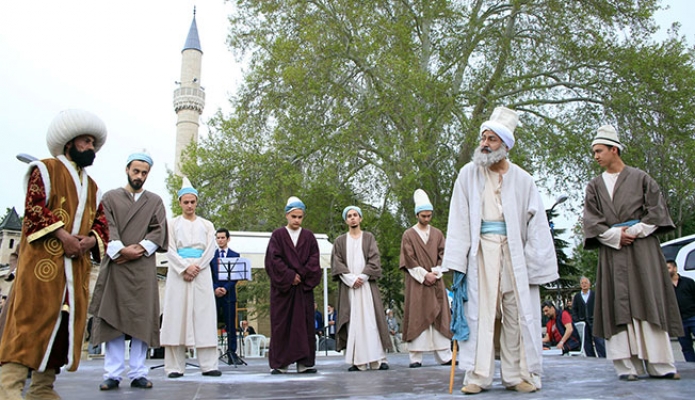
(459, 324)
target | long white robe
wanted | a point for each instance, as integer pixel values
(531, 251)
(363, 343)
(190, 316)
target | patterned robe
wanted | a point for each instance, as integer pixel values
(48, 282)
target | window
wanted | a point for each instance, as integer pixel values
(690, 262)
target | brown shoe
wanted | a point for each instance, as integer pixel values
(471, 388)
(523, 387)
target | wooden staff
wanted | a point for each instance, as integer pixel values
(453, 367)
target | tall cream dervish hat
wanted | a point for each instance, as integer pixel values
(72, 123)
(186, 188)
(503, 122)
(422, 201)
(609, 136)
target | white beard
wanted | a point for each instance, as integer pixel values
(487, 159)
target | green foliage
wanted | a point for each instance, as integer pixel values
(563, 289)
(361, 103)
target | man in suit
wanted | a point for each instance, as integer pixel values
(583, 310)
(330, 320)
(225, 291)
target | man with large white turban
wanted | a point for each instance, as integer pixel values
(63, 224)
(498, 238)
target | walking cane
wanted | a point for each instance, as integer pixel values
(453, 367)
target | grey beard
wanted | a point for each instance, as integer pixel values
(487, 159)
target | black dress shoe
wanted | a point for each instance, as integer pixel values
(383, 367)
(449, 363)
(276, 372)
(308, 371)
(671, 375)
(175, 375)
(214, 372)
(629, 377)
(109, 384)
(142, 383)
(415, 365)
(353, 368)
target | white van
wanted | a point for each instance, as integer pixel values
(682, 250)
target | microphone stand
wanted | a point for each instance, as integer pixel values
(231, 358)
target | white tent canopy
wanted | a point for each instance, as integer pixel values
(252, 245)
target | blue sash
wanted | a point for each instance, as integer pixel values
(189, 252)
(495, 227)
(626, 223)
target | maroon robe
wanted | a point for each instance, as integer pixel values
(292, 307)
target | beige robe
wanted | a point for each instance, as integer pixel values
(529, 248)
(190, 314)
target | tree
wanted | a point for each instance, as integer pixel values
(568, 270)
(361, 103)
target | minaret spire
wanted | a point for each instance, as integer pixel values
(189, 97)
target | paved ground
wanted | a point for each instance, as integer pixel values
(565, 378)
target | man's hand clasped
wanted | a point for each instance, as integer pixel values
(191, 273)
(130, 253)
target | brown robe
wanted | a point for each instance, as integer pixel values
(424, 305)
(632, 282)
(372, 268)
(126, 296)
(48, 281)
(292, 307)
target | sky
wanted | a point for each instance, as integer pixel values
(119, 60)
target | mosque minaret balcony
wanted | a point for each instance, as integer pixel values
(189, 98)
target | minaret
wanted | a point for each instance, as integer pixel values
(189, 98)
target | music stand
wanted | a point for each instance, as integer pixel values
(234, 269)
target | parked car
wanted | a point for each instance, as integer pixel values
(683, 251)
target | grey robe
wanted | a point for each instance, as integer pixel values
(126, 296)
(631, 282)
(372, 268)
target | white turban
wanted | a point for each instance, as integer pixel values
(70, 124)
(503, 122)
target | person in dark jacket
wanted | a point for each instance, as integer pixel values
(560, 330)
(685, 294)
(583, 311)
